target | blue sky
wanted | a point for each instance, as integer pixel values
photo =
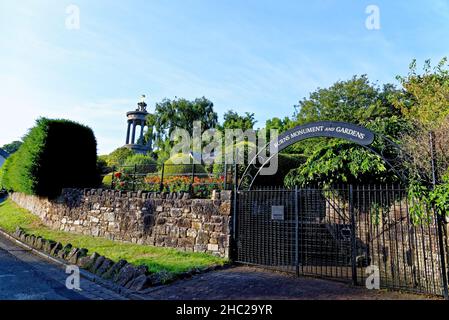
(256, 55)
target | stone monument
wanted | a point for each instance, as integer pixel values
(137, 121)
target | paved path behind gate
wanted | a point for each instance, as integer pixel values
(248, 283)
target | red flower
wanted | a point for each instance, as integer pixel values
(118, 175)
(122, 184)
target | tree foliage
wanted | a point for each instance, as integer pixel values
(338, 162)
(425, 98)
(281, 125)
(355, 101)
(179, 113)
(424, 101)
(232, 120)
(118, 157)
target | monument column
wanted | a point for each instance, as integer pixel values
(128, 132)
(133, 138)
(142, 126)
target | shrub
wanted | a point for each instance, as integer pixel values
(107, 181)
(102, 165)
(122, 181)
(142, 163)
(340, 162)
(119, 156)
(4, 173)
(177, 165)
(55, 154)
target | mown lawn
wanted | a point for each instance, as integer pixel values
(157, 259)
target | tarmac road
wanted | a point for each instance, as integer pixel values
(25, 276)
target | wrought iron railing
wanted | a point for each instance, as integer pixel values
(196, 179)
(344, 233)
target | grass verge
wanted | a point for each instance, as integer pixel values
(156, 259)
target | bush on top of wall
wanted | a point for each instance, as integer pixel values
(55, 154)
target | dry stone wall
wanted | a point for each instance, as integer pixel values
(160, 219)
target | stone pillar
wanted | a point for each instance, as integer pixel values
(141, 132)
(133, 137)
(128, 132)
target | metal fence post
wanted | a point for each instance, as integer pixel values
(225, 176)
(161, 186)
(235, 214)
(113, 176)
(296, 231)
(353, 236)
(134, 177)
(235, 178)
(193, 177)
(234, 244)
(439, 219)
(441, 242)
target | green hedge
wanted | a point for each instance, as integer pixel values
(55, 154)
(4, 172)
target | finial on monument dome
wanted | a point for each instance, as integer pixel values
(142, 104)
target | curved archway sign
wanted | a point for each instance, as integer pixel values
(331, 129)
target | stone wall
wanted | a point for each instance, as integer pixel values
(159, 219)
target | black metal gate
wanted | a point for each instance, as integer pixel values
(343, 233)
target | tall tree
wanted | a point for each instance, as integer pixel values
(425, 98)
(179, 113)
(356, 101)
(278, 124)
(232, 120)
(425, 102)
